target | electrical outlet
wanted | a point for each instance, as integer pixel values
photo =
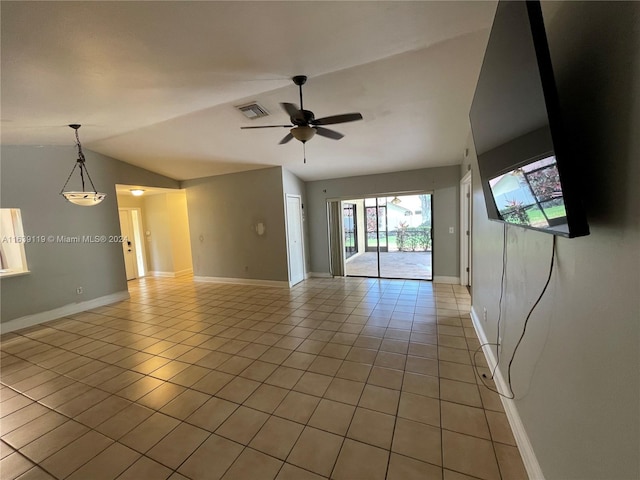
(484, 314)
(79, 290)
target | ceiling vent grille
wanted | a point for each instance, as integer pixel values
(253, 110)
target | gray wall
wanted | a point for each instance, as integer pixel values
(444, 182)
(223, 211)
(576, 374)
(292, 185)
(31, 181)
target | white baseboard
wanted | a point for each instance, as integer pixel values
(70, 309)
(179, 273)
(522, 439)
(320, 275)
(243, 281)
(447, 280)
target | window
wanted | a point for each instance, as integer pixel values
(12, 239)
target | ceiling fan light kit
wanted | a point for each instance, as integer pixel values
(304, 126)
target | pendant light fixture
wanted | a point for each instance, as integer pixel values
(83, 198)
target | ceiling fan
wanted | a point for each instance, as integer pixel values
(304, 124)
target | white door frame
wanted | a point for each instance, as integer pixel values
(289, 239)
(465, 229)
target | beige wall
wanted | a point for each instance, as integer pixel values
(179, 224)
(223, 213)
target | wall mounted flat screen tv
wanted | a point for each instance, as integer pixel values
(527, 167)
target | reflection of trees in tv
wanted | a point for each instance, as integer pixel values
(515, 213)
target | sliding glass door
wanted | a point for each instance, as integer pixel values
(397, 235)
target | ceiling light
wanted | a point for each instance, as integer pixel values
(303, 133)
(396, 201)
(136, 192)
(83, 198)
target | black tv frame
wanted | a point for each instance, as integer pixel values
(538, 144)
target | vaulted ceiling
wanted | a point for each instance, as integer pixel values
(155, 83)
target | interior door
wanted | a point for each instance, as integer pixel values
(128, 244)
(295, 239)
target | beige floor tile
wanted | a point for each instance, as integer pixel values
(51, 401)
(213, 382)
(242, 425)
(358, 372)
(297, 406)
(238, 390)
(464, 419)
(21, 417)
(190, 375)
(313, 384)
(254, 465)
(284, 377)
(146, 469)
(49, 387)
(345, 391)
(460, 392)
(390, 360)
(185, 404)
(490, 400)
(325, 365)
(451, 475)
(277, 437)
(359, 460)
(14, 465)
(211, 459)
(417, 440)
(291, 472)
(372, 427)
(316, 451)
(149, 432)
(332, 416)
(419, 408)
(161, 396)
(470, 455)
(212, 414)
(386, 377)
(139, 388)
(54, 440)
(421, 365)
(107, 465)
(121, 381)
(28, 432)
(380, 399)
(76, 454)
(124, 421)
(174, 448)
(456, 355)
(510, 462)
(406, 468)
(258, 371)
(275, 355)
(457, 371)
(426, 385)
(36, 473)
(82, 402)
(500, 428)
(423, 350)
(266, 398)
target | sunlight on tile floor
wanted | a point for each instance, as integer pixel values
(346, 379)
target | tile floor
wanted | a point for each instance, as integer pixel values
(336, 378)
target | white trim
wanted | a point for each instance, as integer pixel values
(179, 273)
(522, 439)
(243, 281)
(465, 224)
(320, 275)
(70, 309)
(288, 237)
(447, 280)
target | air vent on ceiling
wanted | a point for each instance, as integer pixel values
(253, 110)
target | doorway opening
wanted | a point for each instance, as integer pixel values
(132, 246)
(388, 236)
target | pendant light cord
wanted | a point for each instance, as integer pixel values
(80, 163)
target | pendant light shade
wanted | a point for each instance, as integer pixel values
(83, 198)
(303, 133)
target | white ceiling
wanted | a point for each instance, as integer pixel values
(155, 83)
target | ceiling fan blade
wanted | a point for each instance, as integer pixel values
(267, 126)
(287, 138)
(325, 132)
(291, 109)
(332, 120)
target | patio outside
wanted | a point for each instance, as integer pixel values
(397, 229)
